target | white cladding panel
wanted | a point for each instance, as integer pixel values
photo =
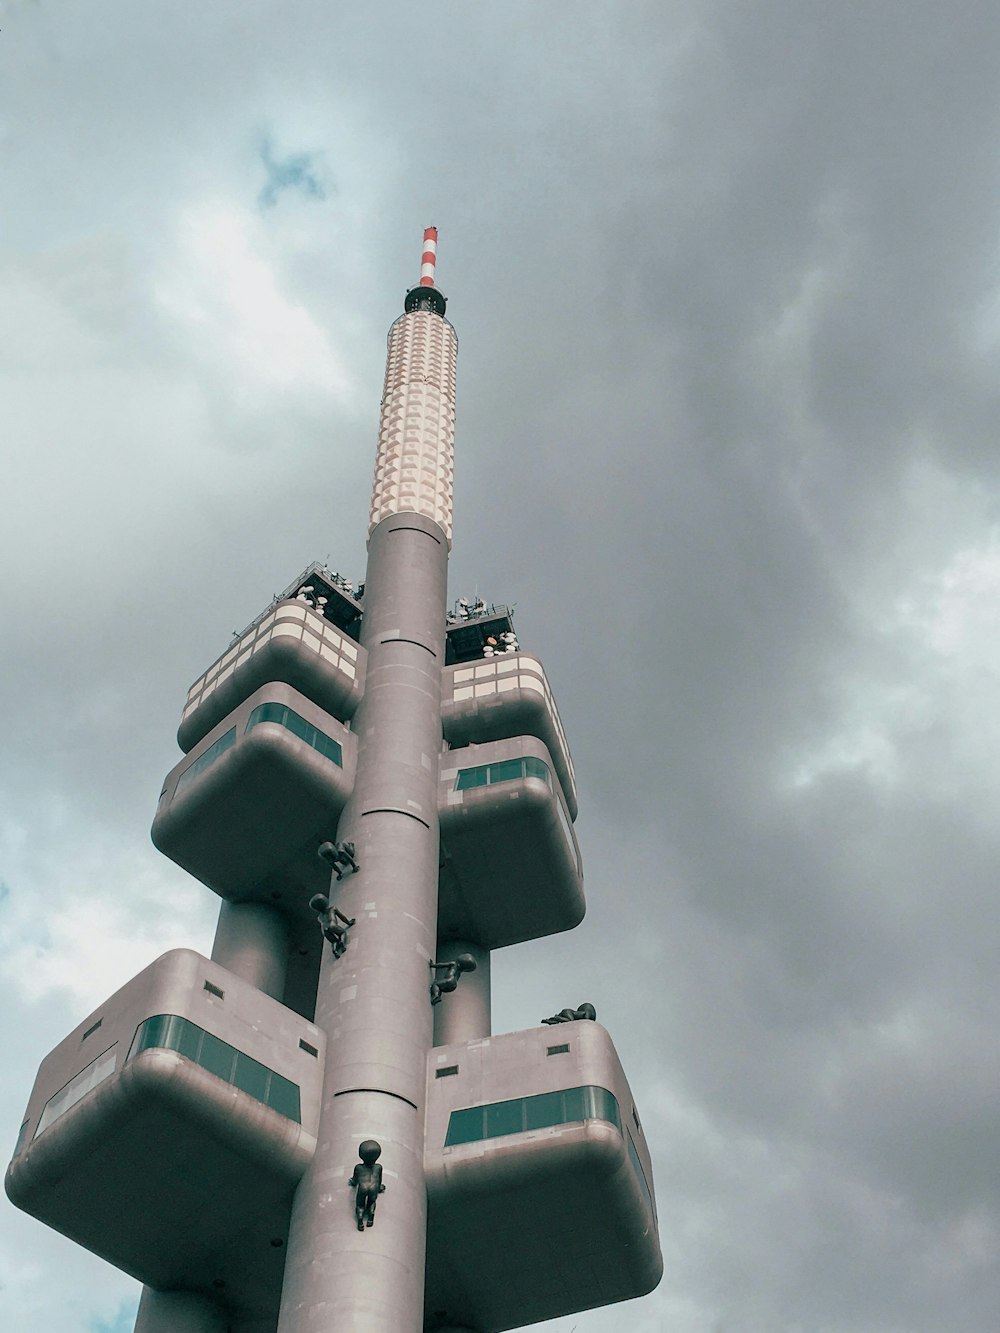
(415, 463)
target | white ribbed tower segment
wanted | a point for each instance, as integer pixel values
(415, 463)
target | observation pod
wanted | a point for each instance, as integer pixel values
(246, 810)
(540, 1186)
(510, 864)
(167, 1132)
(292, 642)
(504, 696)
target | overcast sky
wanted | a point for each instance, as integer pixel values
(725, 278)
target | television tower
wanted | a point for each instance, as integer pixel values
(315, 1130)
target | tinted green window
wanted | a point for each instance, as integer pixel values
(205, 760)
(251, 1076)
(283, 1097)
(267, 713)
(577, 1104)
(298, 726)
(605, 1106)
(150, 1033)
(172, 1033)
(22, 1136)
(218, 1057)
(542, 1111)
(466, 1126)
(504, 1118)
(187, 1039)
(506, 770)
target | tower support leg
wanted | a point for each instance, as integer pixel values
(178, 1312)
(464, 1013)
(251, 940)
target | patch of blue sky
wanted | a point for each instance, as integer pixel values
(301, 172)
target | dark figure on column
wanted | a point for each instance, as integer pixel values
(332, 921)
(368, 1179)
(446, 975)
(340, 855)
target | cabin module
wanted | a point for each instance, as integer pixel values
(539, 1180)
(168, 1131)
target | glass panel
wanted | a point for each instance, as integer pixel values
(537, 768)
(471, 777)
(186, 1038)
(22, 1135)
(507, 770)
(576, 1104)
(505, 1118)
(251, 1076)
(543, 1111)
(329, 748)
(172, 1033)
(146, 1035)
(217, 1057)
(465, 1126)
(605, 1106)
(297, 725)
(283, 1097)
(266, 713)
(203, 761)
(77, 1088)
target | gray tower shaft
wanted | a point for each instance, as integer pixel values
(374, 1001)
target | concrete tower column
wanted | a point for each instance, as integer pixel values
(178, 1312)
(464, 1013)
(251, 940)
(374, 1001)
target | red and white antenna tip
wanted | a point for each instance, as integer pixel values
(429, 257)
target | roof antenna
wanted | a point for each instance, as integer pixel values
(429, 258)
(425, 296)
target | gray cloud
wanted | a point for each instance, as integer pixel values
(724, 278)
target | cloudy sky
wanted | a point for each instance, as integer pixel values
(726, 279)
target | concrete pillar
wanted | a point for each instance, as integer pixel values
(374, 1002)
(251, 940)
(178, 1312)
(464, 1014)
